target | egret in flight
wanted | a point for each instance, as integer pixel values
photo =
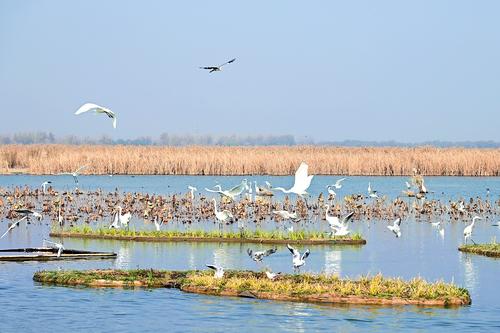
(97, 109)
(302, 182)
(212, 69)
(338, 184)
(231, 193)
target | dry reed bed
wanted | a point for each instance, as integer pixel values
(204, 160)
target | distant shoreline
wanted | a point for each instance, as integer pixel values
(51, 159)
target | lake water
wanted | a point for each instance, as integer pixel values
(31, 307)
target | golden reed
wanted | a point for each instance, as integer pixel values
(211, 160)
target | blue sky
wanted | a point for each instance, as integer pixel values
(331, 70)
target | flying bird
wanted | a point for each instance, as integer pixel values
(219, 271)
(75, 173)
(28, 212)
(271, 276)
(395, 227)
(13, 225)
(212, 69)
(338, 184)
(297, 259)
(97, 109)
(258, 256)
(231, 193)
(337, 226)
(302, 182)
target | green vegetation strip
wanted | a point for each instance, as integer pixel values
(490, 249)
(257, 236)
(302, 288)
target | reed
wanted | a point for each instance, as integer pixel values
(205, 160)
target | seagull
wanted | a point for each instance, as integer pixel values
(302, 182)
(395, 227)
(232, 193)
(58, 246)
(286, 215)
(219, 271)
(263, 192)
(44, 186)
(123, 219)
(97, 109)
(75, 173)
(461, 207)
(468, 229)
(298, 260)
(338, 227)
(258, 256)
(371, 192)
(13, 226)
(217, 68)
(192, 189)
(338, 184)
(28, 213)
(223, 216)
(271, 276)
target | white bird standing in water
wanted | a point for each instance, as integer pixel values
(44, 186)
(125, 218)
(58, 246)
(219, 271)
(298, 260)
(91, 107)
(468, 229)
(223, 216)
(192, 189)
(372, 193)
(157, 224)
(395, 227)
(302, 182)
(331, 192)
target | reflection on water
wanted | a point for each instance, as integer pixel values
(123, 259)
(470, 273)
(333, 262)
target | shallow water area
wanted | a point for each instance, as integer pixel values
(421, 251)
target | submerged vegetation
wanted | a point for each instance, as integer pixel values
(305, 288)
(246, 235)
(489, 249)
(274, 160)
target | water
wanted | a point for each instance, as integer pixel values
(31, 307)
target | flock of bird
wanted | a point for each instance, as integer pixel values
(236, 204)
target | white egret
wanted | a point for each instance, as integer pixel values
(233, 192)
(468, 229)
(219, 271)
(58, 246)
(44, 186)
(395, 227)
(123, 219)
(212, 69)
(372, 193)
(223, 216)
(337, 226)
(302, 182)
(157, 224)
(285, 215)
(297, 259)
(192, 189)
(258, 256)
(97, 109)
